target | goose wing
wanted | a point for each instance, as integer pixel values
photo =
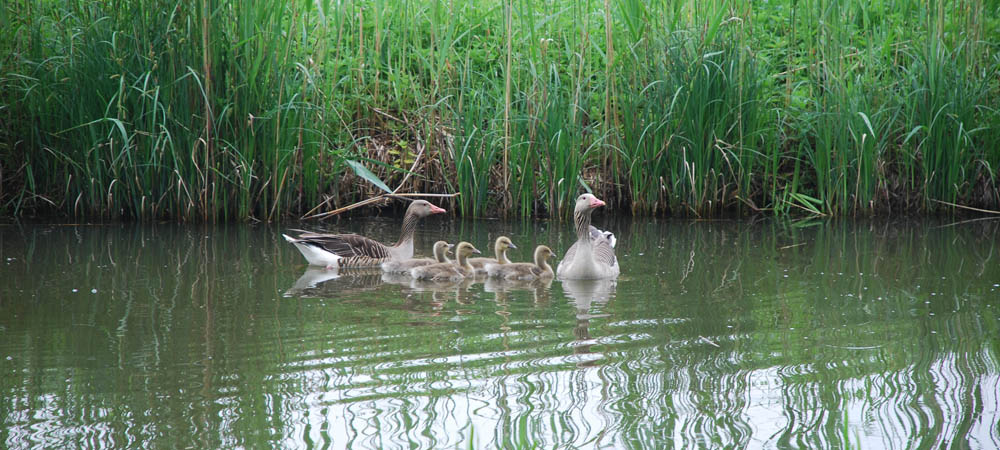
(346, 245)
(604, 253)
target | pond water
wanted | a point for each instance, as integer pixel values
(717, 334)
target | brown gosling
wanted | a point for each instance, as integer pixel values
(441, 249)
(540, 269)
(449, 271)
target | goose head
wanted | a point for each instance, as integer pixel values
(587, 202)
(423, 208)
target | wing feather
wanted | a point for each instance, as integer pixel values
(604, 253)
(346, 245)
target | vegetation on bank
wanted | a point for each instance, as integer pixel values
(214, 110)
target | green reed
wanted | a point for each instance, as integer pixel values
(215, 110)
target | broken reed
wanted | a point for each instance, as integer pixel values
(215, 110)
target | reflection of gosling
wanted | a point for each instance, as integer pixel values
(500, 250)
(524, 271)
(403, 266)
(449, 271)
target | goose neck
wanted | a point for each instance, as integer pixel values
(409, 227)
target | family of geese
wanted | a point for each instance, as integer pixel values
(592, 256)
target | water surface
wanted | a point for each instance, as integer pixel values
(730, 333)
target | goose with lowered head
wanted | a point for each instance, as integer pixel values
(352, 250)
(449, 271)
(441, 249)
(499, 249)
(592, 256)
(524, 271)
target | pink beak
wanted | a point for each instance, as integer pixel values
(436, 210)
(595, 202)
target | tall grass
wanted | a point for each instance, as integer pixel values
(215, 110)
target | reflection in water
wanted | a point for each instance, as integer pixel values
(540, 288)
(586, 294)
(323, 282)
(718, 334)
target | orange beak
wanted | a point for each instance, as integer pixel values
(595, 202)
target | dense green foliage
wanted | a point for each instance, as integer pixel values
(223, 110)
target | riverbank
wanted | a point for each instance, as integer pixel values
(208, 111)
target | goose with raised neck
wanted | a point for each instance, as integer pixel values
(592, 256)
(352, 250)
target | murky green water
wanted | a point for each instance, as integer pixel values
(816, 335)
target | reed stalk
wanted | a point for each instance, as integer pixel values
(216, 110)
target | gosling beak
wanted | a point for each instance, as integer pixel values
(476, 251)
(511, 245)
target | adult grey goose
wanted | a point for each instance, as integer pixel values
(352, 250)
(592, 256)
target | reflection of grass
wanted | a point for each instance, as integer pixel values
(212, 110)
(168, 301)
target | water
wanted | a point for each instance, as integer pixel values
(761, 335)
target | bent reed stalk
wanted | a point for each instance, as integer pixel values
(217, 110)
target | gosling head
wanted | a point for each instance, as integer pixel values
(441, 250)
(543, 253)
(504, 243)
(464, 249)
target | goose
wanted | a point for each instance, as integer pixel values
(352, 250)
(590, 257)
(403, 266)
(500, 249)
(449, 271)
(524, 271)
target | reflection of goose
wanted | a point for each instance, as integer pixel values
(440, 289)
(585, 293)
(499, 249)
(592, 256)
(400, 279)
(524, 271)
(352, 250)
(502, 285)
(440, 285)
(404, 266)
(449, 271)
(317, 282)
